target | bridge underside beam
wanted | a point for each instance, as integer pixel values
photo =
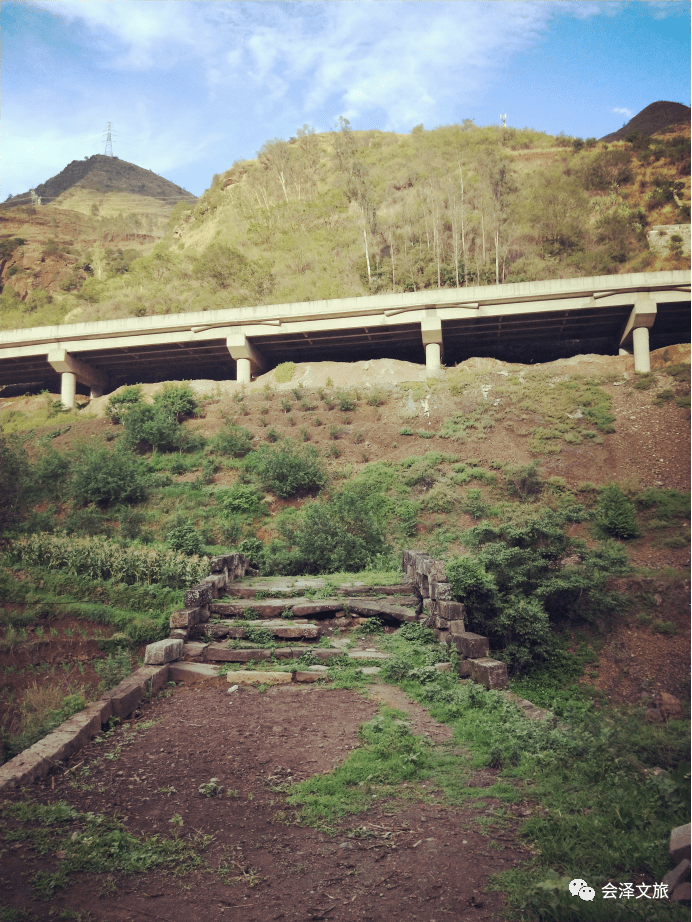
(71, 370)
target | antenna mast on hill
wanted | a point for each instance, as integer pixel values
(503, 117)
(109, 144)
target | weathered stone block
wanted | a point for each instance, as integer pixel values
(269, 608)
(219, 564)
(489, 672)
(433, 569)
(682, 894)
(185, 618)
(308, 676)
(472, 646)
(126, 697)
(680, 843)
(465, 668)
(211, 582)
(194, 651)
(179, 634)
(198, 595)
(304, 631)
(310, 609)
(220, 654)
(440, 591)
(195, 673)
(24, 768)
(163, 651)
(259, 678)
(84, 725)
(456, 628)
(452, 611)
(679, 875)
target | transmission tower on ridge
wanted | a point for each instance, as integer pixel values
(503, 117)
(109, 144)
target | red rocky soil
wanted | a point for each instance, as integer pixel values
(415, 858)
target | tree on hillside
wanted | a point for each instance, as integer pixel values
(275, 156)
(356, 184)
(557, 209)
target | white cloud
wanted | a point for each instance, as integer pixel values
(621, 110)
(404, 58)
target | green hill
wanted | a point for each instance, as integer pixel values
(349, 213)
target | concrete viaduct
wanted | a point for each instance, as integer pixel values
(448, 324)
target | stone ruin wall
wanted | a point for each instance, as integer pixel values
(659, 238)
(447, 618)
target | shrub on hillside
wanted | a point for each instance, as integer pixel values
(232, 440)
(184, 537)
(14, 480)
(241, 499)
(152, 426)
(119, 404)
(344, 533)
(176, 400)
(615, 513)
(103, 476)
(288, 470)
(284, 372)
(518, 586)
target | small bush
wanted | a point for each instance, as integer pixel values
(644, 381)
(119, 404)
(615, 513)
(151, 425)
(524, 480)
(112, 670)
(346, 401)
(241, 499)
(284, 373)
(424, 434)
(669, 628)
(334, 432)
(184, 537)
(288, 470)
(103, 476)
(259, 636)
(376, 397)
(406, 431)
(233, 440)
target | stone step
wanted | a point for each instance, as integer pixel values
(375, 608)
(286, 587)
(281, 629)
(220, 653)
(397, 608)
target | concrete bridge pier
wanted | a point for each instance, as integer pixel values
(68, 389)
(635, 337)
(431, 331)
(640, 340)
(72, 370)
(248, 361)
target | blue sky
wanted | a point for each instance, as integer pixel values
(190, 87)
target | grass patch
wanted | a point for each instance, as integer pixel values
(610, 785)
(93, 843)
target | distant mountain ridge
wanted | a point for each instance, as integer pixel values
(100, 173)
(654, 118)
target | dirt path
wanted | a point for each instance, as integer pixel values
(416, 858)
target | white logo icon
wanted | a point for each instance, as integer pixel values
(576, 885)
